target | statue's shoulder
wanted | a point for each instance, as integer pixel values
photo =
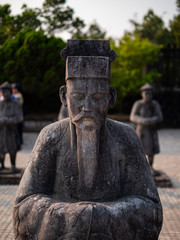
(139, 102)
(155, 102)
(54, 131)
(123, 133)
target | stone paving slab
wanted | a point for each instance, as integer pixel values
(168, 161)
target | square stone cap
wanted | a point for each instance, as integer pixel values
(87, 67)
(88, 48)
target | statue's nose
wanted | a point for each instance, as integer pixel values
(88, 106)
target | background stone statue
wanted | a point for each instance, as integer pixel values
(146, 114)
(10, 115)
(87, 176)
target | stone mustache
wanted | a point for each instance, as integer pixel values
(87, 176)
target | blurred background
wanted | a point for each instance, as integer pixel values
(145, 36)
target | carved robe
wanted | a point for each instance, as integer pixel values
(123, 204)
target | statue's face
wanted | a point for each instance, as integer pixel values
(6, 94)
(88, 101)
(147, 95)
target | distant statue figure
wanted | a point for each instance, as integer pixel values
(87, 177)
(146, 114)
(17, 96)
(10, 115)
(63, 113)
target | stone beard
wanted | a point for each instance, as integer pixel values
(87, 131)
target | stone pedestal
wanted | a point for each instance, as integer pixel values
(10, 178)
(163, 180)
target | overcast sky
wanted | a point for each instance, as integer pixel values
(112, 15)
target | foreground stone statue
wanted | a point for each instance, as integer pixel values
(87, 176)
(63, 112)
(10, 115)
(146, 114)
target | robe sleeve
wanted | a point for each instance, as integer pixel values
(140, 208)
(136, 118)
(32, 199)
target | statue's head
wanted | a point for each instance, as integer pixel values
(88, 96)
(6, 91)
(87, 93)
(147, 92)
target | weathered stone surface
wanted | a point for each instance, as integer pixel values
(88, 48)
(87, 177)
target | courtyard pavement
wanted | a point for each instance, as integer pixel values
(168, 161)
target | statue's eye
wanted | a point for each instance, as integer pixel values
(98, 96)
(78, 96)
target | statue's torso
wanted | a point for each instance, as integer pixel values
(107, 183)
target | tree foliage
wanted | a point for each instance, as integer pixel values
(175, 29)
(32, 59)
(94, 31)
(152, 28)
(131, 67)
(53, 17)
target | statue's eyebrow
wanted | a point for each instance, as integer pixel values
(77, 92)
(99, 92)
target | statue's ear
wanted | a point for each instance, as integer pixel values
(62, 95)
(113, 95)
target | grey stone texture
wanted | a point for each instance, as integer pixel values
(10, 115)
(87, 177)
(146, 114)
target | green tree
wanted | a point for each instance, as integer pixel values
(32, 59)
(6, 22)
(131, 68)
(53, 17)
(28, 18)
(94, 31)
(152, 28)
(57, 17)
(175, 25)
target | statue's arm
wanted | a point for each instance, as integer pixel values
(33, 197)
(14, 119)
(158, 116)
(139, 209)
(135, 116)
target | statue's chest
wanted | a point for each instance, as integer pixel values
(146, 110)
(107, 180)
(7, 109)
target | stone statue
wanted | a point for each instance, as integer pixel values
(146, 113)
(87, 177)
(10, 115)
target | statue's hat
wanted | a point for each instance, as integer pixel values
(6, 85)
(88, 48)
(146, 86)
(88, 59)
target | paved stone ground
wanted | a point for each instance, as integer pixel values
(168, 161)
